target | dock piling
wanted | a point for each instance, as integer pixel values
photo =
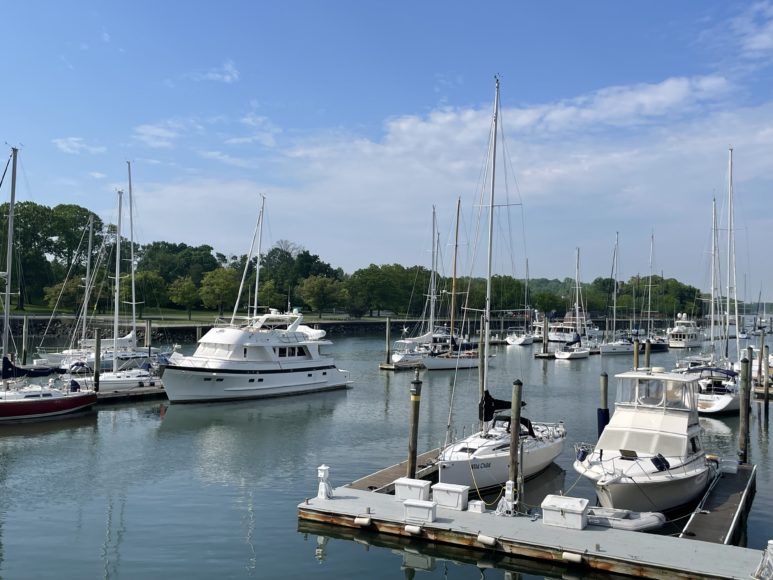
(743, 436)
(636, 353)
(97, 358)
(388, 341)
(414, 435)
(647, 353)
(602, 413)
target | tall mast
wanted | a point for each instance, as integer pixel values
(577, 294)
(432, 289)
(9, 255)
(732, 291)
(614, 292)
(87, 284)
(131, 255)
(453, 274)
(117, 301)
(487, 313)
(712, 307)
(257, 235)
(649, 290)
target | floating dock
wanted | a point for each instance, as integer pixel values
(106, 397)
(480, 533)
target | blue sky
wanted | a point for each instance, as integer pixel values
(355, 118)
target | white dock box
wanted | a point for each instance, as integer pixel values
(565, 512)
(407, 488)
(451, 495)
(419, 511)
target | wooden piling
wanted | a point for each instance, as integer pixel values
(602, 413)
(766, 374)
(515, 428)
(743, 436)
(414, 435)
(388, 341)
(636, 353)
(24, 339)
(647, 353)
(97, 358)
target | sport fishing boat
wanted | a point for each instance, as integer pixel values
(650, 456)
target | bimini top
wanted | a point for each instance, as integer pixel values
(657, 389)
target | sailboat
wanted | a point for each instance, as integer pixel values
(130, 366)
(257, 356)
(19, 400)
(457, 353)
(616, 345)
(522, 336)
(574, 349)
(482, 460)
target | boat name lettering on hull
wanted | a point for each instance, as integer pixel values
(480, 465)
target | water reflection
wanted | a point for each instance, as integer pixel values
(433, 558)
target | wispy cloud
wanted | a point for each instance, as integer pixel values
(159, 136)
(228, 159)
(105, 37)
(227, 73)
(754, 30)
(263, 131)
(76, 146)
(97, 175)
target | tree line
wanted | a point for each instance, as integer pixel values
(51, 255)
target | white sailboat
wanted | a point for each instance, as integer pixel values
(616, 345)
(650, 456)
(259, 356)
(522, 336)
(482, 460)
(574, 349)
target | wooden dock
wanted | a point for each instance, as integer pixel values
(472, 534)
(384, 481)
(138, 394)
(719, 516)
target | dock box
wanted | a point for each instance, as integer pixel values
(451, 495)
(407, 488)
(565, 512)
(419, 511)
(476, 506)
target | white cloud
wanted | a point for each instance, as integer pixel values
(97, 175)
(754, 30)
(228, 159)
(105, 37)
(227, 73)
(158, 136)
(263, 131)
(76, 146)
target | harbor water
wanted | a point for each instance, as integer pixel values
(152, 490)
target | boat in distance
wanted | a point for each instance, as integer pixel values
(270, 355)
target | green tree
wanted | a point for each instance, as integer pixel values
(183, 292)
(218, 288)
(320, 292)
(64, 295)
(172, 261)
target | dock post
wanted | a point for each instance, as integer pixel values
(602, 413)
(635, 353)
(388, 341)
(544, 333)
(766, 374)
(743, 436)
(508, 505)
(414, 436)
(647, 353)
(24, 339)
(147, 333)
(759, 358)
(97, 358)
(198, 332)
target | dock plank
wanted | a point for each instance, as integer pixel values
(723, 507)
(383, 481)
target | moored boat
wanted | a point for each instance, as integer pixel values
(650, 456)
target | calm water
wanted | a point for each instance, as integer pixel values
(202, 491)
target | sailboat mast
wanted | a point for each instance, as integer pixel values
(577, 294)
(432, 288)
(712, 307)
(87, 284)
(257, 261)
(487, 314)
(9, 255)
(453, 274)
(257, 235)
(732, 291)
(614, 293)
(117, 302)
(131, 254)
(649, 290)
